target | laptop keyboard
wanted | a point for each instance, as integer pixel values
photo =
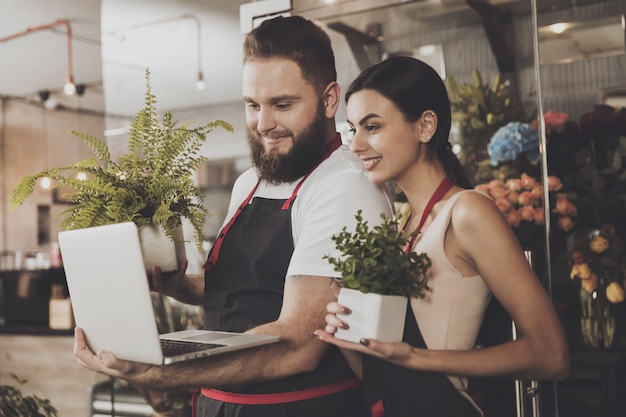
(178, 347)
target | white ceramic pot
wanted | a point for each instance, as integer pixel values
(373, 316)
(159, 250)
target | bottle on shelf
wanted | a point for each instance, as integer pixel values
(61, 316)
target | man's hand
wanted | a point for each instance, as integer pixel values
(106, 363)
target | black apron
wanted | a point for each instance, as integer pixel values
(244, 289)
(396, 391)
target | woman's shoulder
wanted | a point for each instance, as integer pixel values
(473, 207)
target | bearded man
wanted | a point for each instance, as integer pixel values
(266, 273)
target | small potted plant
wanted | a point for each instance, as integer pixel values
(378, 276)
(150, 185)
(14, 403)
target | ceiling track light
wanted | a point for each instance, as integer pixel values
(69, 88)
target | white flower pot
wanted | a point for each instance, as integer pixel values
(159, 250)
(373, 316)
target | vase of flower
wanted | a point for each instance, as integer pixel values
(597, 262)
(597, 324)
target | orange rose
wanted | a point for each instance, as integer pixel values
(527, 181)
(503, 204)
(554, 183)
(564, 206)
(495, 184)
(484, 188)
(590, 284)
(566, 223)
(526, 213)
(512, 218)
(614, 293)
(525, 198)
(514, 184)
(498, 192)
(598, 244)
(537, 192)
(512, 196)
(581, 271)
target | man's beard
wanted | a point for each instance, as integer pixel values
(305, 152)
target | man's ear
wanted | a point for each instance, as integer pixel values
(332, 94)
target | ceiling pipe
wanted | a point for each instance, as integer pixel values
(69, 87)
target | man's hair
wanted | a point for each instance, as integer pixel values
(299, 40)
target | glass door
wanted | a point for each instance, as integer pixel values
(511, 75)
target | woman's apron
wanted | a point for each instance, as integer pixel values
(244, 290)
(396, 391)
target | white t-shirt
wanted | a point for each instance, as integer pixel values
(326, 202)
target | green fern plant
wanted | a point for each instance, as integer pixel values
(150, 184)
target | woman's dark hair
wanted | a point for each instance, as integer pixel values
(414, 87)
(299, 40)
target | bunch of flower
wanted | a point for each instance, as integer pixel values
(590, 159)
(599, 261)
(521, 201)
(512, 140)
(478, 110)
(555, 122)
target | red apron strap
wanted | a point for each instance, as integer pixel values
(332, 147)
(280, 397)
(217, 246)
(194, 402)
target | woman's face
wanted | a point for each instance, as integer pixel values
(387, 144)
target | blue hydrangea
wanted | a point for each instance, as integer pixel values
(512, 140)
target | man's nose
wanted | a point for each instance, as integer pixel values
(266, 120)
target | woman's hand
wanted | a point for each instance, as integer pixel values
(393, 352)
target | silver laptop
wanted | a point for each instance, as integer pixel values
(111, 301)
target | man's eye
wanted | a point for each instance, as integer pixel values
(252, 106)
(283, 106)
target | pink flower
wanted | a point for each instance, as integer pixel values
(525, 198)
(495, 184)
(498, 192)
(503, 204)
(527, 213)
(513, 197)
(563, 206)
(537, 192)
(513, 218)
(521, 199)
(527, 181)
(566, 223)
(554, 183)
(514, 184)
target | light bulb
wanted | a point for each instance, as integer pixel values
(46, 183)
(81, 176)
(558, 27)
(69, 88)
(50, 104)
(200, 83)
